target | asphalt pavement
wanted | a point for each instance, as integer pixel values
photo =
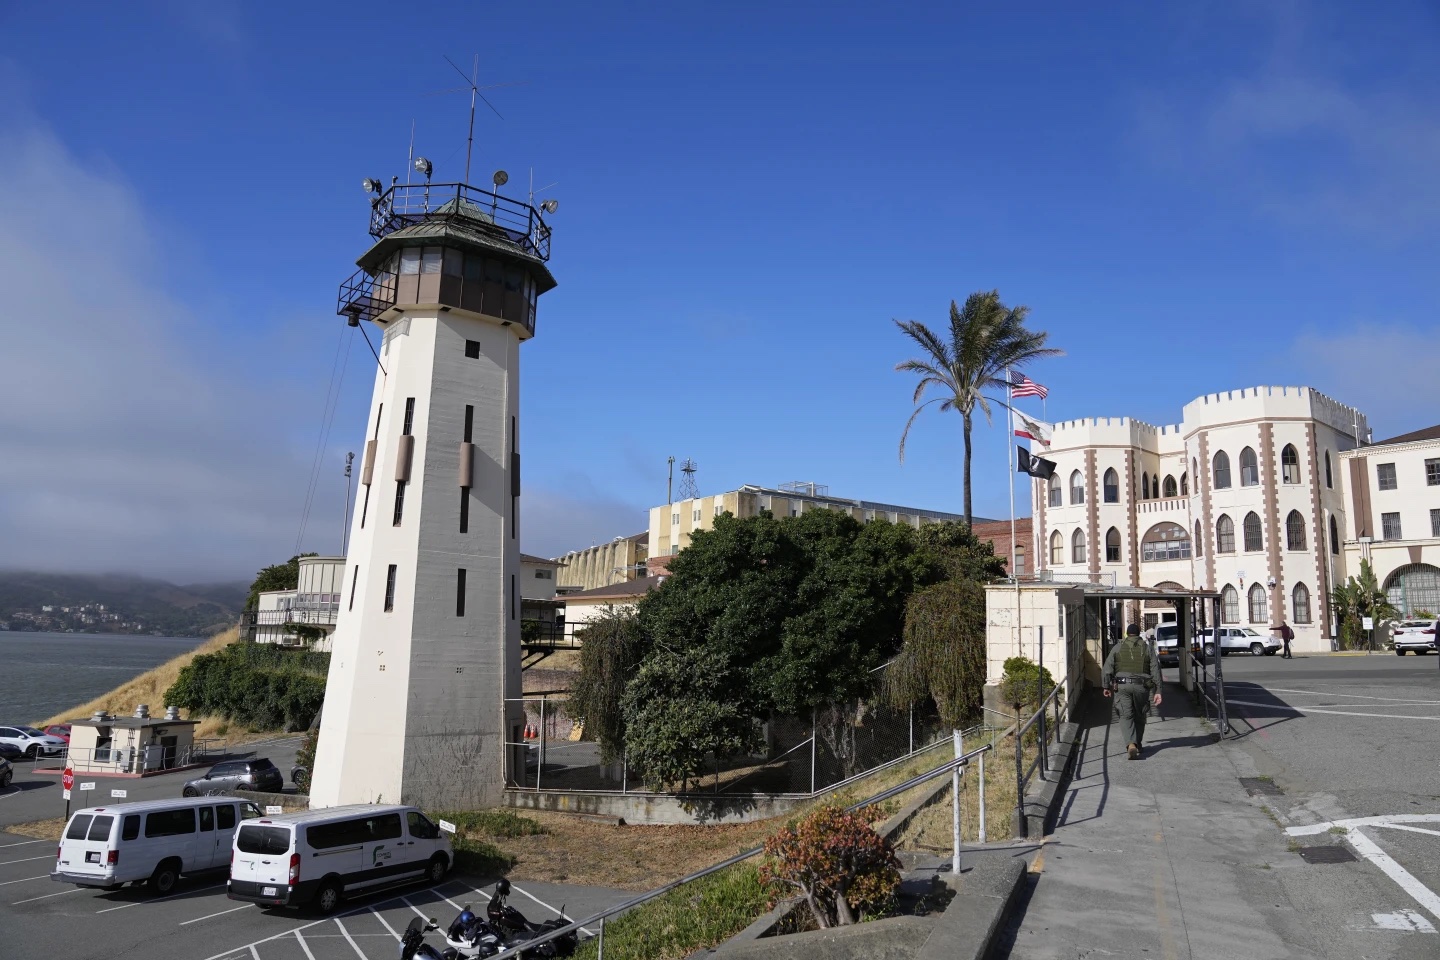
(1204, 849)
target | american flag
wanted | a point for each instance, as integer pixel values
(1023, 386)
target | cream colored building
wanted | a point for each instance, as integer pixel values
(1393, 498)
(671, 526)
(1244, 496)
(605, 564)
(314, 603)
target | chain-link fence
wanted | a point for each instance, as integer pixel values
(799, 754)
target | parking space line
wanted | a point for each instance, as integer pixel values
(1407, 881)
(303, 946)
(141, 903)
(6, 863)
(360, 953)
(1339, 713)
(222, 913)
(558, 913)
(255, 954)
(412, 906)
(382, 923)
(304, 926)
(24, 843)
(1401, 826)
(1353, 696)
(7, 883)
(47, 896)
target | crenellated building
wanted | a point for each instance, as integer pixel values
(1243, 496)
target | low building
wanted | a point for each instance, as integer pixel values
(1393, 499)
(605, 564)
(136, 744)
(303, 617)
(587, 605)
(672, 525)
(537, 588)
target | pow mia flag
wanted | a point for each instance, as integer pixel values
(1035, 466)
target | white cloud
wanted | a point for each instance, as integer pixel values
(554, 522)
(124, 445)
(1378, 368)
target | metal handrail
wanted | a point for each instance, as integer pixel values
(574, 925)
(404, 205)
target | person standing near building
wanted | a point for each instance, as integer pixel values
(1132, 676)
(1286, 635)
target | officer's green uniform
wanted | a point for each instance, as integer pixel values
(1134, 674)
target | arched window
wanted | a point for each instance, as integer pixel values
(1195, 469)
(1170, 489)
(1289, 464)
(1057, 549)
(1258, 608)
(1155, 485)
(1055, 492)
(1112, 486)
(1249, 468)
(1144, 486)
(1077, 488)
(1224, 535)
(1329, 483)
(1414, 587)
(1295, 531)
(1300, 603)
(1184, 484)
(1197, 538)
(1334, 536)
(1222, 471)
(1077, 546)
(1253, 539)
(1229, 605)
(1112, 545)
(1165, 541)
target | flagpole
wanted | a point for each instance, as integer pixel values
(1010, 476)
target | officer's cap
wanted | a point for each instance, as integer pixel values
(1133, 630)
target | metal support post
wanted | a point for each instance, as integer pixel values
(1040, 700)
(1220, 679)
(1019, 782)
(600, 949)
(540, 752)
(912, 728)
(955, 805)
(981, 831)
(812, 750)
(624, 771)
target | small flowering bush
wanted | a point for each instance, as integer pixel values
(844, 869)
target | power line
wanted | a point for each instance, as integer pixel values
(327, 420)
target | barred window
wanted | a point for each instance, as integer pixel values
(1259, 609)
(1249, 468)
(1165, 541)
(1432, 473)
(1289, 464)
(1222, 471)
(1390, 526)
(1295, 531)
(1300, 603)
(1385, 474)
(1170, 489)
(1224, 535)
(1254, 540)
(1229, 605)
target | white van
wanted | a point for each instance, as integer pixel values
(321, 855)
(154, 841)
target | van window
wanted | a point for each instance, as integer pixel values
(326, 836)
(100, 828)
(78, 826)
(255, 838)
(170, 823)
(249, 811)
(130, 829)
(225, 817)
(386, 827)
(207, 818)
(421, 828)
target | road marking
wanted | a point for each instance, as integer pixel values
(382, 923)
(1353, 696)
(47, 896)
(1312, 828)
(210, 915)
(360, 953)
(1407, 881)
(173, 896)
(422, 913)
(558, 913)
(7, 863)
(255, 954)
(303, 946)
(24, 880)
(1401, 826)
(25, 842)
(1339, 713)
(1406, 920)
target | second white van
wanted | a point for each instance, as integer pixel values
(319, 856)
(154, 841)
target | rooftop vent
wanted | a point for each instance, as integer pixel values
(142, 712)
(100, 716)
(172, 713)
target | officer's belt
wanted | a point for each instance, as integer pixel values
(1132, 679)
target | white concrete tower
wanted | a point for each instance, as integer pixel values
(427, 644)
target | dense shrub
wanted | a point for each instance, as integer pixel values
(843, 869)
(1024, 683)
(944, 652)
(259, 685)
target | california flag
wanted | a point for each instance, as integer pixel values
(1037, 430)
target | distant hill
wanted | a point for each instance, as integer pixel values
(116, 603)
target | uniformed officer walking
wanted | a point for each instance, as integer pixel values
(1132, 674)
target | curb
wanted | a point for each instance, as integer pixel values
(1042, 803)
(970, 924)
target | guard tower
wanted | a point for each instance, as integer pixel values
(427, 640)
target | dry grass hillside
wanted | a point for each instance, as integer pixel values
(150, 688)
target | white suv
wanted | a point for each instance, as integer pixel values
(32, 742)
(1240, 640)
(1415, 635)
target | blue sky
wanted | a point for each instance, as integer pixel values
(1189, 198)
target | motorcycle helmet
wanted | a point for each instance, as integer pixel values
(502, 888)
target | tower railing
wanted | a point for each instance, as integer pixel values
(405, 205)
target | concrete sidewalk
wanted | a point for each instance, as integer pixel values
(1169, 857)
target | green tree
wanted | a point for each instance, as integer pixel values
(280, 576)
(961, 554)
(612, 647)
(944, 653)
(986, 339)
(1357, 598)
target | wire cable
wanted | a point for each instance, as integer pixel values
(327, 420)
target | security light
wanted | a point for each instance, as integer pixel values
(423, 167)
(500, 179)
(371, 186)
(550, 206)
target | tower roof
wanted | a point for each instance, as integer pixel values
(461, 229)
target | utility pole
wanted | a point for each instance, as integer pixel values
(670, 482)
(345, 531)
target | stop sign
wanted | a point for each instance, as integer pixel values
(67, 779)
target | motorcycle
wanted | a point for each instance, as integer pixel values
(472, 937)
(413, 945)
(515, 928)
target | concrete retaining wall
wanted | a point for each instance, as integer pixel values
(652, 808)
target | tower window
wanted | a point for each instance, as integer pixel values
(390, 588)
(464, 509)
(409, 416)
(1290, 464)
(354, 578)
(469, 422)
(1112, 486)
(1249, 468)
(399, 501)
(472, 349)
(460, 592)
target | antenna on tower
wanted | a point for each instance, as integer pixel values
(688, 489)
(471, 85)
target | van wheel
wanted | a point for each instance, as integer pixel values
(438, 866)
(166, 875)
(327, 898)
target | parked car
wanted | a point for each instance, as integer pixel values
(7, 773)
(152, 840)
(61, 730)
(1417, 636)
(8, 751)
(1241, 640)
(320, 856)
(33, 743)
(1167, 644)
(258, 774)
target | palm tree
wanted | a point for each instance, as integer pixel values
(1358, 598)
(986, 339)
